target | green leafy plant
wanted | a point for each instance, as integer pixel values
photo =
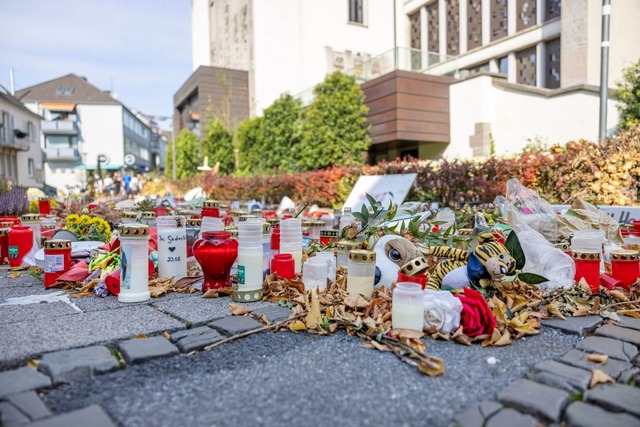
(515, 249)
(628, 94)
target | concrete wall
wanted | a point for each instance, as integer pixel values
(101, 132)
(200, 38)
(34, 154)
(530, 114)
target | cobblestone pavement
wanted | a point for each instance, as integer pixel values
(94, 368)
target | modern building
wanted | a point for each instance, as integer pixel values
(20, 152)
(462, 78)
(81, 125)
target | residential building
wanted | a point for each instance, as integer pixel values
(82, 124)
(20, 152)
(462, 78)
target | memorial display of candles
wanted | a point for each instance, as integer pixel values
(407, 311)
(361, 273)
(134, 263)
(21, 242)
(347, 218)
(193, 231)
(172, 247)
(314, 229)
(44, 206)
(236, 214)
(148, 218)
(283, 265)
(291, 240)
(57, 258)
(328, 236)
(249, 262)
(625, 266)
(216, 253)
(315, 273)
(129, 217)
(210, 223)
(588, 267)
(266, 249)
(344, 247)
(33, 222)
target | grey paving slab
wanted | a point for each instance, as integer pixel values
(512, 418)
(233, 325)
(10, 416)
(196, 338)
(93, 416)
(537, 399)
(559, 375)
(574, 325)
(578, 358)
(22, 379)
(617, 397)
(24, 280)
(477, 414)
(10, 314)
(273, 313)
(77, 364)
(611, 347)
(198, 311)
(580, 414)
(30, 404)
(624, 334)
(629, 322)
(7, 292)
(31, 339)
(141, 349)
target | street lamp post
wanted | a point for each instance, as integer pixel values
(173, 143)
(604, 68)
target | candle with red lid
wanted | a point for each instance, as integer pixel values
(57, 260)
(588, 267)
(625, 266)
(44, 205)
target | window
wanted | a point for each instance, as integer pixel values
(552, 9)
(499, 19)
(356, 11)
(526, 66)
(552, 64)
(4, 122)
(526, 14)
(61, 141)
(503, 65)
(64, 90)
(453, 27)
(412, 152)
(414, 20)
(474, 24)
(433, 28)
(31, 168)
(30, 131)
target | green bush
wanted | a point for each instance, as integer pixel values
(629, 97)
(217, 144)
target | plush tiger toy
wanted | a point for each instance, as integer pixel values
(489, 260)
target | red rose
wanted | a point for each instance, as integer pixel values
(476, 317)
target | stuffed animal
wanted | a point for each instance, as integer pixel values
(488, 260)
(392, 253)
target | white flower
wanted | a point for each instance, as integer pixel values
(441, 310)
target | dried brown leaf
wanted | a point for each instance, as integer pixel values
(314, 317)
(239, 310)
(140, 336)
(380, 347)
(505, 339)
(431, 366)
(14, 275)
(216, 293)
(167, 335)
(619, 295)
(599, 377)
(552, 308)
(598, 358)
(298, 325)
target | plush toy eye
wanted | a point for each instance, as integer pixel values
(394, 255)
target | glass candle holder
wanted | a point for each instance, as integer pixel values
(315, 273)
(44, 205)
(314, 229)
(211, 208)
(57, 259)
(337, 214)
(216, 251)
(330, 258)
(588, 267)
(129, 217)
(172, 247)
(625, 266)
(347, 218)
(407, 311)
(134, 263)
(250, 259)
(344, 247)
(194, 226)
(33, 222)
(328, 236)
(148, 218)
(361, 273)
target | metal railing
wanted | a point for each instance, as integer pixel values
(61, 153)
(399, 58)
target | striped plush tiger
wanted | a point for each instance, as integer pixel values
(489, 260)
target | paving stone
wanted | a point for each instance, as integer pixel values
(22, 379)
(575, 325)
(512, 418)
(93, 416)
(580, 414)
(629, 322)
(617, 397)
(536, 399)
(274, 313)
(609, 346)
(81, 363)
(196, 338)
(578, 358)
(233, 325)
(30, 404)
(199, 311)
(140, 349)
(27, 340)
(477, 415)
(562, 376)
(612, 331)
(11, 416)
(10, 314)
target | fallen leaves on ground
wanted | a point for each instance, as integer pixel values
(159, 286)
(239, 310)
(217, 293)
(598, 358)
(599, 377)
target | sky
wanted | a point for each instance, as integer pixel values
(140, 48)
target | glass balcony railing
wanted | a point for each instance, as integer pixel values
(61, 154)
(59, 126)
(400, 58)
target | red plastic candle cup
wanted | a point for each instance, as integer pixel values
(636, 225)
(14, 220)
(20, 243)
(57, 260)
(588, 267)
(4, 244)
(44, 206)
(283, 265)
(610, 282)
(420, 279)
(112, 282)
(275, 240)
(625, 266)
(327, 237)
(211, 208)
(216, 252)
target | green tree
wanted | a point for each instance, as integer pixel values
(250, 146)
(629, 97)
(282, 134)
(187, 155)
(335, 131)
(217, 144)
